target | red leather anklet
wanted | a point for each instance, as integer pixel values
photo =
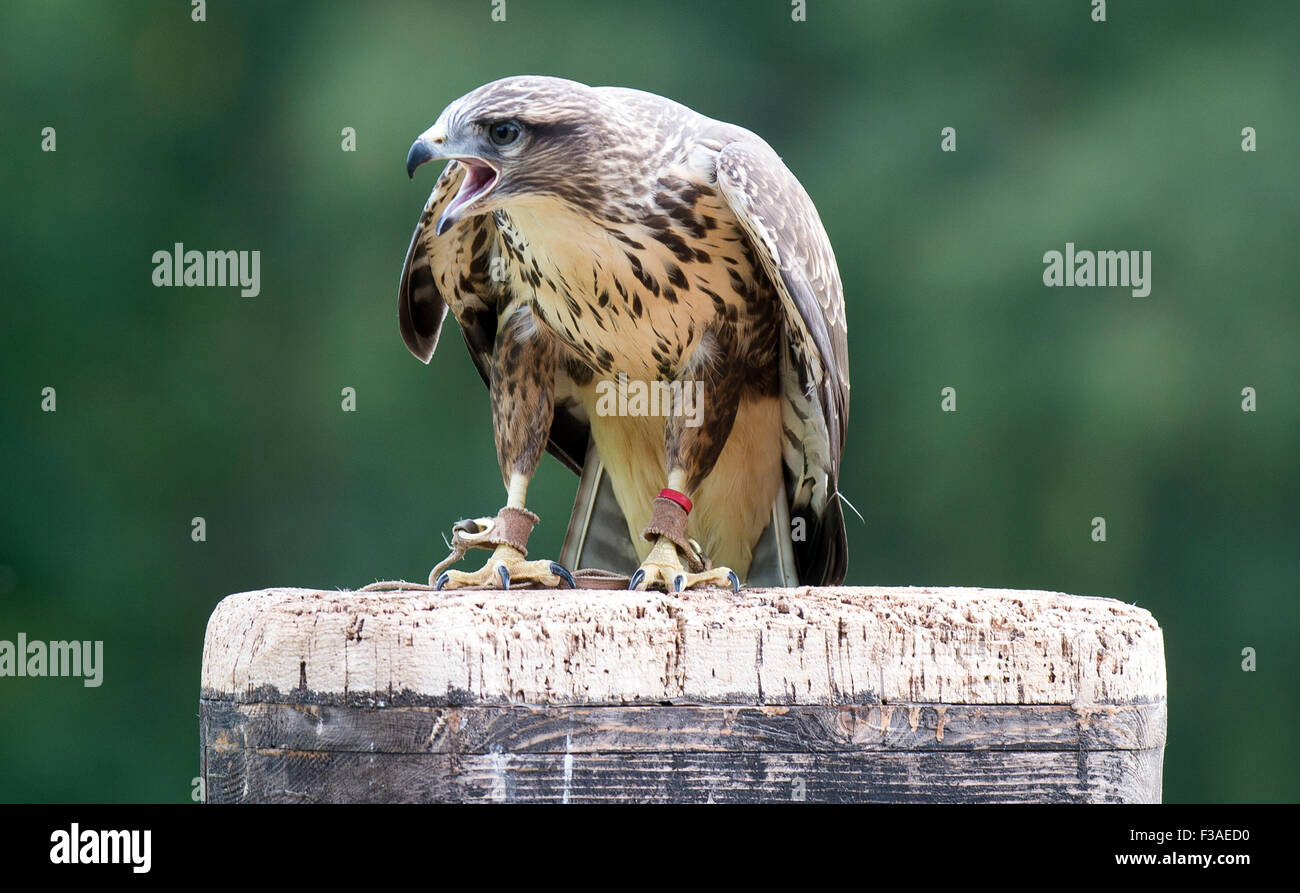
(679, 498)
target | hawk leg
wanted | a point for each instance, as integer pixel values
(522, 383)
(675, 562)
(692, 447)
(507, 535)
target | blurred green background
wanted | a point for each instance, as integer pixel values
(1072, 403)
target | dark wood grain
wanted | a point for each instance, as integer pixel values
(888, 753)
(650, 729)
(282, 776)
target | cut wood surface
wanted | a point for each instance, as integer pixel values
(837, 694)
(849, 645)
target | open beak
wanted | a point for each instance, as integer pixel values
(480, 178)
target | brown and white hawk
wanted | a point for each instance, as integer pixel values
(589, 240)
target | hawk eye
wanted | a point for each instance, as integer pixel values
(503, 133)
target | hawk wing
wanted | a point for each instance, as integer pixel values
(453, 271)
(788, 237)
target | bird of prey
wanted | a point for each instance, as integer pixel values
(590, 237)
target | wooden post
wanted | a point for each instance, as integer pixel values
(838, 694)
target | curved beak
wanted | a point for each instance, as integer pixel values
(422, 151)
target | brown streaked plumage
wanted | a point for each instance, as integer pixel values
(577, 233)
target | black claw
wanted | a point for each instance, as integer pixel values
(505, 577)
(442, 581)
(562, 572)
(735, 581)
(637, 578)
(678, 582)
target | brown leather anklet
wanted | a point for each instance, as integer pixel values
(668, 519)
(512, 528)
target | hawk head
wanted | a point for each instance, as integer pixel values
(519, 138)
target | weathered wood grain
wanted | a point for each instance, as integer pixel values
(281, 776)
(830, 695)
(848, 645)
(813, 729)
